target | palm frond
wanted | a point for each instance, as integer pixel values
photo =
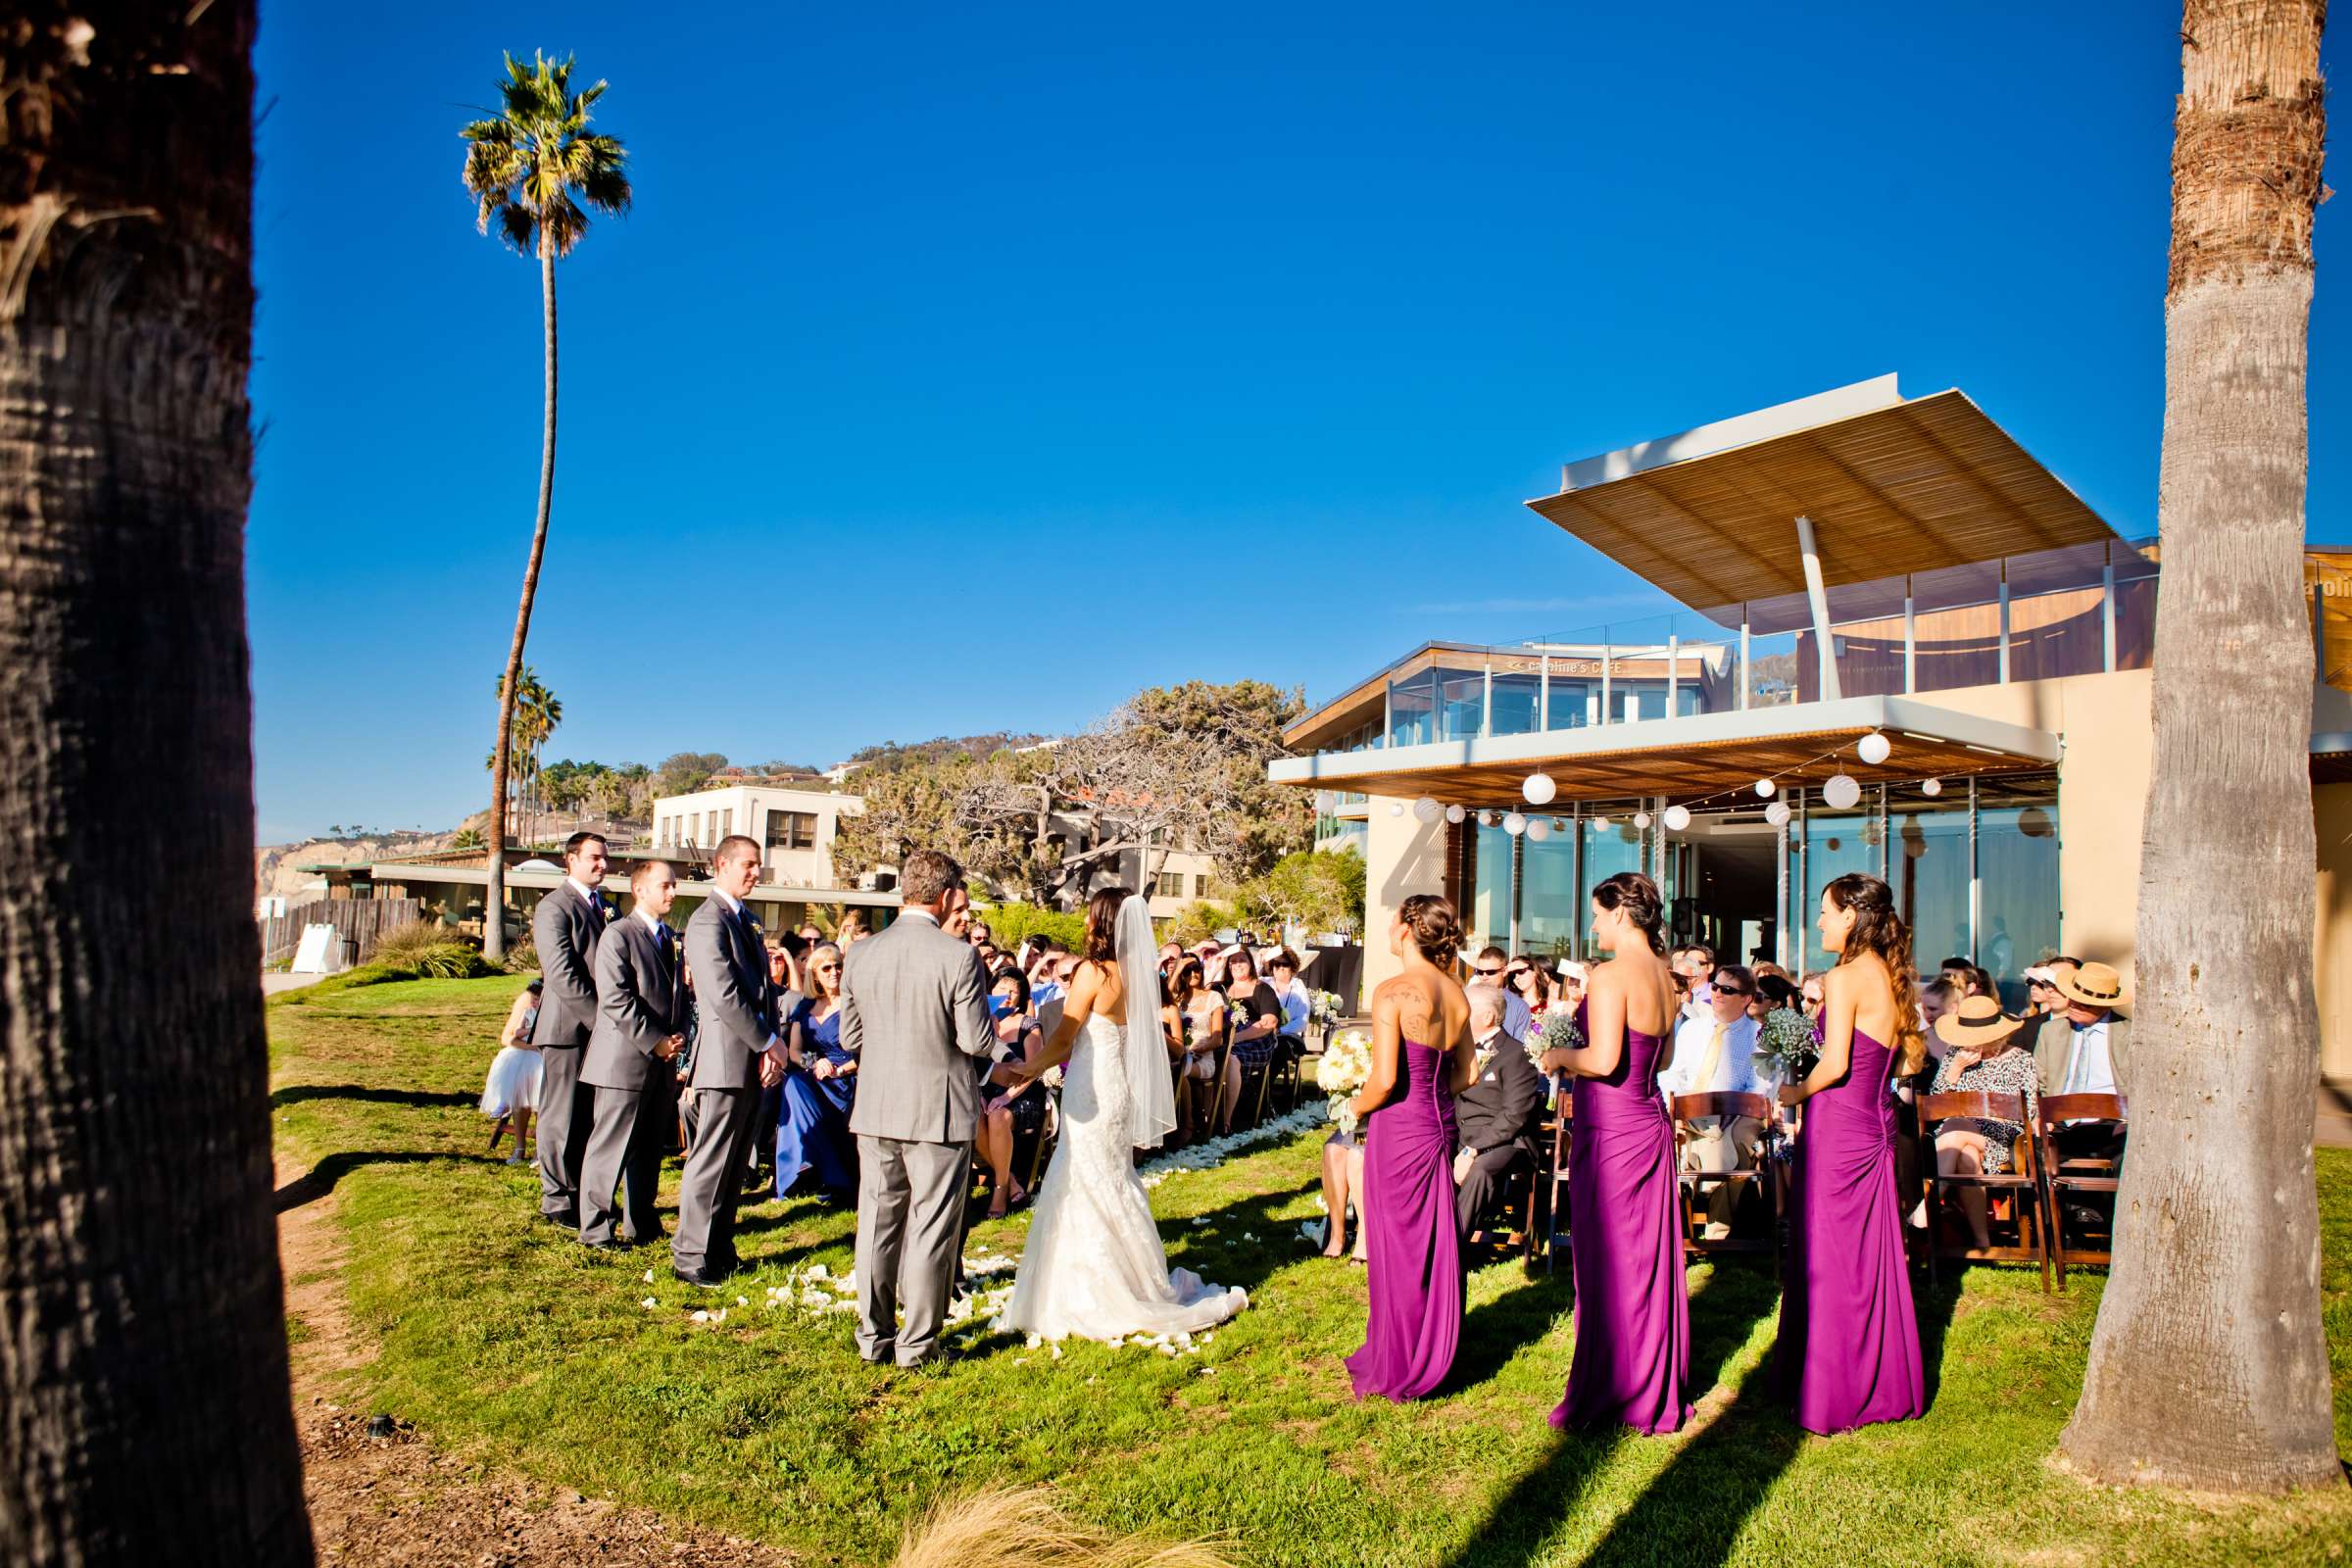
(536, 169)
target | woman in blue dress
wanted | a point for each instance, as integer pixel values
(813, 1147)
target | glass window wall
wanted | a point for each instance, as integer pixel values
(1489, 912)
(1516, 710)
(2017, 870)
(1927, 867)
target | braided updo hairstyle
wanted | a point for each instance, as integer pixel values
(1879, 929)
(1435, 929)
(1637, 895)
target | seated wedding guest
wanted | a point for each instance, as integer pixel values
(813, 1146)
(1493, 1116)
(1200, 1023)
(1215, 965)
(512, 1089)
(1493, 967)
(1572, 985)
(1809, 993)
(1716, 1054)
(1985, 1054)
(1692, 963)
(981, 936)
(810, 936)
(1008, 1113)
(1774, 991)
(1170, 952)
(1257, 1024)
(1531, 983)
(1344, 1185)
(1937, 998)
(2084, 1049)
(1298, 1006)
(1967, 979)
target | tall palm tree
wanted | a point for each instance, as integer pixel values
(537, 711)
(535, 169)
(144, 1378)
(2209, 1366)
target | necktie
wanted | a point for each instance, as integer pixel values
(1705, 1082)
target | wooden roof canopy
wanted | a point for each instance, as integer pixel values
(1891, 486)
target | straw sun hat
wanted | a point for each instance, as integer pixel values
(1978, 1021)
(2095, 985)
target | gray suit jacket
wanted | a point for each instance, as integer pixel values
(565, 932)
(640, 1001)
(914, 1010)
(2057, 1042)
(732, 999)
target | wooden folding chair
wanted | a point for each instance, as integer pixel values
(2019, 1187)
(1685, 1108)
(2062, 1177)
(1560, 1132)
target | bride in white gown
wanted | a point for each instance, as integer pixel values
(1094, 1267)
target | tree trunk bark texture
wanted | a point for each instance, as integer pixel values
(2209, 1367)
(143, 1394)
(494, 896)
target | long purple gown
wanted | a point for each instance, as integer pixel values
(1848, 1349)
(1624, 1242)
(1416, 1250)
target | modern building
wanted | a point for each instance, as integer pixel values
(1915, 653)
(795, 823)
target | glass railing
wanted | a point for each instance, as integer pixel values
(2078, 610)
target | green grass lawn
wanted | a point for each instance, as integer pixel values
(514, 1347)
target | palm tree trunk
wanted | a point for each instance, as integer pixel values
(494, 896)
(2208, 1367)
(142, 1338)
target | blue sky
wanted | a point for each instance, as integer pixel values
(964, 369)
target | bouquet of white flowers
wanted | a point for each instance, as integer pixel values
(1341, 1070)
(1325, 1005)
(1784, 1047)
(1560, 1032)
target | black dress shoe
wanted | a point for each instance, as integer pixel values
(569, 1218)
(605, 1245)
(699, 1276)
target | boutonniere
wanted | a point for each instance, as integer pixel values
(611, 912)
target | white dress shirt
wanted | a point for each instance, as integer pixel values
(2089, 1071)
(1735, 1072)
(588, 893)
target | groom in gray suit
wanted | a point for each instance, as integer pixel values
(640, 1024)
(914, 1012)
(736, 1055)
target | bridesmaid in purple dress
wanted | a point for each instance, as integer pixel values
(1625, 1239)
(1422, 1055)
(1848, 1352)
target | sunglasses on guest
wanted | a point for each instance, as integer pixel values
(1495, 973)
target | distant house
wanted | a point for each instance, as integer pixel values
(794, 820)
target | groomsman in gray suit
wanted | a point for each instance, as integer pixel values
(566, 928)
(736, 1055)
(640, 1024)
(914, 1012)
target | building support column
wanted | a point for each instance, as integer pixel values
(1976, 884)
(2319, 629)
(1606, 662)
(1910, 643)
(1544, 691)
(1818, 597)
(2107, 618)
(1780, 907)
(1746, 674)
(1674, 672)
(2004, 629)
(1485, 701)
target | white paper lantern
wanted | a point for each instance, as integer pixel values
(1427, 810)
(1514, 824)
(1641, 821)
(1538, 788)
(1538, 830)
(1765, 788)
(1678, 817)
(1841, 791)
(1776, 813)
(1872, 748)
(1490, 818)
(1454, 813)
(1933, 786)
(1395, 808)
(1600, 824)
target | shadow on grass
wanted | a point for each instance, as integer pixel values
(415, 1099)
(1692, 1511)
(321, 1179)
